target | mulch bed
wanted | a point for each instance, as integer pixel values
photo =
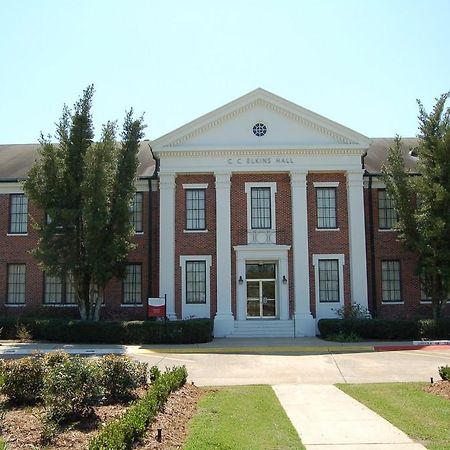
(441, 388)
(21, 427)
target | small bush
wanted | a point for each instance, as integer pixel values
(369, 328)
(154, 373)
(123, 432)
(444, 373)
(120, 377)
(112, 332)
(344, 337)
(71, 388)
(434, 329)
(23, 334)
(51, 359)
(22, 379)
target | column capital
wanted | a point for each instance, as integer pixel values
(167, 180)
(355, 177)
(298, 179)
(222, 179)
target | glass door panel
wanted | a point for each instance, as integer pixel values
(253, 299)
(268, 298)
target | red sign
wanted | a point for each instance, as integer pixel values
(156, 307)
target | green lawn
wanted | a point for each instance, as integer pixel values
(241, 418)
(422, 416)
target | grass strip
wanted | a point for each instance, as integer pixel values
(241, 418)
(422, 416)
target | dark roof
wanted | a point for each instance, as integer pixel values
(376, 155)
(16, 160)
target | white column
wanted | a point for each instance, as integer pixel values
(223, 322)
(305, 324)
(357, 238)
(167, 241)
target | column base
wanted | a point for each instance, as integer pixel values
(305, 325)
(223, 325)
(171, 316)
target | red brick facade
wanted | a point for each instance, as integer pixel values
(15, 249)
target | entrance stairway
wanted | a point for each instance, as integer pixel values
(262, 328)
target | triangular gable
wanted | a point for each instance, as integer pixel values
(288, 125)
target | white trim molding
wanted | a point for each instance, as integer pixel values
(325, 184)
(328, 310)
(201, 309)
(271, 237)
(195, 186)
(269, 253)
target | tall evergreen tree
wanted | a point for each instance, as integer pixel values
(85, 189)
(423, 202)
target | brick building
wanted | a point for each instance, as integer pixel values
(263, 215)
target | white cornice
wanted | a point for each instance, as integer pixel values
(260, 97)
(179, 152)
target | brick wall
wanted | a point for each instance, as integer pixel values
(323, 241)
(388, 247)
(195, 243)
(16, 249)
(283, 212)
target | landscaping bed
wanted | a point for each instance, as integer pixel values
(22, 428)
(57, 401)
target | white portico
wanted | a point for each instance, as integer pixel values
(252, 269)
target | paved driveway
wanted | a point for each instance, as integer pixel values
(226, 369)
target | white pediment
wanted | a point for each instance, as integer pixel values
(288, 125)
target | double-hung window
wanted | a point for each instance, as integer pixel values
(387, 215)
(329, 280)
(132, 285)
(16, 284)
(18, 214)
(261, 208)
(59, 290)
(326, 207)
(136, 210)
(195, 209)
(195, 282)
(390, 278)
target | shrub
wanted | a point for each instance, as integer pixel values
(444, 373)
(71, 387)
(51, 359)
(434, 329)
(344, 337)
(112, 332)
(22, 379)
(120, 376)
(369, 328)
(121, 433)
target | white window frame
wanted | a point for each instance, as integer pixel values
(196, 309)
(326, 184)
(341, 261)
(203, 186)
(17, 233)
(141, 193)
(393, 302)
(273, 191)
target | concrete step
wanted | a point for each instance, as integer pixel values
(263, 328)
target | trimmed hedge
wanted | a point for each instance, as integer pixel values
(386, 329)
(111, 332)
(123, 432)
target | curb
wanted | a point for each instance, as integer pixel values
(395, 348)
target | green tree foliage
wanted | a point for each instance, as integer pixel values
(423, 202)
(86, 189)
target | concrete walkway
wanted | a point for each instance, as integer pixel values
(328, 419)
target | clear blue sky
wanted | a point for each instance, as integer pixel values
(361, 63)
